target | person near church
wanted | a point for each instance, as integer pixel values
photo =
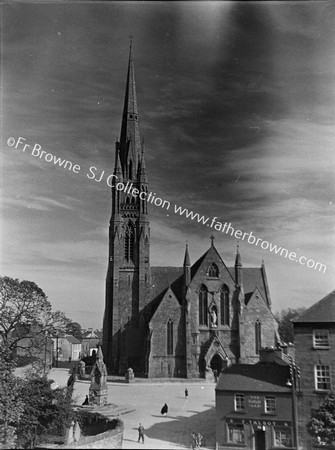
(140, 430)
(186, 393)
(85, 401)
(164, 410)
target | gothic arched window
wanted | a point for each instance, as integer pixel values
(224, 305)
(258, 336)
(213, 270)
(203, 306)
(169, 340)
(129, 240)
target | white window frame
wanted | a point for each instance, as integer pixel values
(326, 376)
(282, 430)
(268, 410)
(321, 342)
(236, 434)
(241, 402)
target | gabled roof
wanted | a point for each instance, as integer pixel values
(260, 377)
(195, 267)
(322, 311)
(72, 339)
(163, 277)
(252, 277)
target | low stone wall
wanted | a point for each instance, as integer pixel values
(96, 431)
(110, 439)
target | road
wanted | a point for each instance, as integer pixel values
(143, 401)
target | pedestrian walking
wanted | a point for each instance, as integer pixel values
(140, 433)
(186, 393)
(164, 410)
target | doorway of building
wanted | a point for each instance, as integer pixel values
(216, 363)
(260, 440)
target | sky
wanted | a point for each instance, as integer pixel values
(236, 107)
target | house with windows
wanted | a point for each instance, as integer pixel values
(67, 348)
(185, 321)
(314, 339)
(254, 405)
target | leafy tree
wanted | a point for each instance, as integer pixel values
(11, 405)
(26, 315)
(46, 411)
(322, 423)
(285, 326)
(74, 328)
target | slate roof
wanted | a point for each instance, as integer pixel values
(252, 277)
(163, 277)
(72, 339)
(260, 377)
(322, 311)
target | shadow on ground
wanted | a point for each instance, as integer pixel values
(179, 431)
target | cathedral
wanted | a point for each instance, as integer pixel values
(189, 321)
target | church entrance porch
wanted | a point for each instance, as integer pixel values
(216, 363)
(214, 368)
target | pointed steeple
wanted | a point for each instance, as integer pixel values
(187, 262)
(143, 178)
(117, 169)
(187, 267)
(238, 267)
(100, 356)
(130, 140)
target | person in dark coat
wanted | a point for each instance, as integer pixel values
(140, 433)
(186, 393)
(85, 401)
(164, 410)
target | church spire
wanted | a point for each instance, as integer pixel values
(130, 139)
(238, 267)
(187, 268)
(143, 178)
(187, 262)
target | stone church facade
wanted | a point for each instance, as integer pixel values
(186, 321)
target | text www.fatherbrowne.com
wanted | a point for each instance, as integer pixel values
(227, 228)
(128, 188)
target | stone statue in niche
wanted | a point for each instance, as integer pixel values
(214, 318)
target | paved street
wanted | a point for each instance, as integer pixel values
(144, 402)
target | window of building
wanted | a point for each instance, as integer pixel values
(239, 402)
(203, 306)
(283, 437)
(213, 271)
(170, 337)
(236, 434)
(322, 377)
(270, 405)
(258, 336)
(129, 239)
(224, 306)
(321, 338)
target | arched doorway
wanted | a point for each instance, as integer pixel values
(216, 363)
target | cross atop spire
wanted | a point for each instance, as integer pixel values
(212, 240)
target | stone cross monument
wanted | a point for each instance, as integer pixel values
(98, 392)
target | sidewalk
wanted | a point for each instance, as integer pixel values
(142, 402)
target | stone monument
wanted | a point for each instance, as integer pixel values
(98, 392)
